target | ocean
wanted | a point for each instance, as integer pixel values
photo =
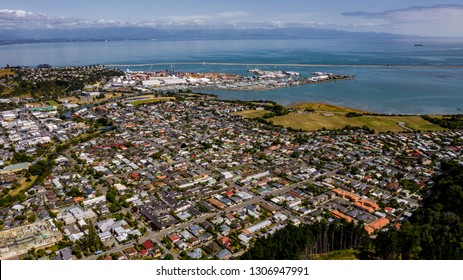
(393, 75)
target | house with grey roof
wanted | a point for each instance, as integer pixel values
(65, 253)
(224, 254)
(195, 254)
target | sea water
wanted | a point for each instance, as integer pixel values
(392, 74)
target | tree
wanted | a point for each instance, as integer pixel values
(435, 229)
(125, 204)
(353, 114)
(75, 192)
(20, 217)
(115, 207)
(31, 218)
(77, 250)
(90, 242)
(41, 167)
(302, 242)
(111, 194)
(168, 257)
(167, 242)
(41, 253)
(295, 154)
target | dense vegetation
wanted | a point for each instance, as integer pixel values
(275, 110)
(450, 122)
(305, 241)
(435, 230)
(353, 114)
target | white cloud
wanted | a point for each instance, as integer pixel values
(222, 18)
(438, 20)
(16, 19)
(19, 19)
(231, 15)
(410, 13)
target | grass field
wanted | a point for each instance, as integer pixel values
(71, 100)
(52, 103)
(334, 117)
(349, 254)
(146, 96)
(252, 114)
(316, 106)
(151, 100)
(6, 71)
(24, 185)
(107, 96)
(318, 120)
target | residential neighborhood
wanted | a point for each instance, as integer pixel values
(183, 177)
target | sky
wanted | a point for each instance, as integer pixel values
(409, 17)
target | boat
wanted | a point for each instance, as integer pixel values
(255, 70)
(291, 73)
(418, 45)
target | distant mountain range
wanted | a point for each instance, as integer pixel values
(140, 33)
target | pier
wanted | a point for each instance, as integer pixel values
(259, 80)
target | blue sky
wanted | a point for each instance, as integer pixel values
(414, 17)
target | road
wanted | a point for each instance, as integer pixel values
(158, 235)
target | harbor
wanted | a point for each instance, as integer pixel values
(257, 80)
